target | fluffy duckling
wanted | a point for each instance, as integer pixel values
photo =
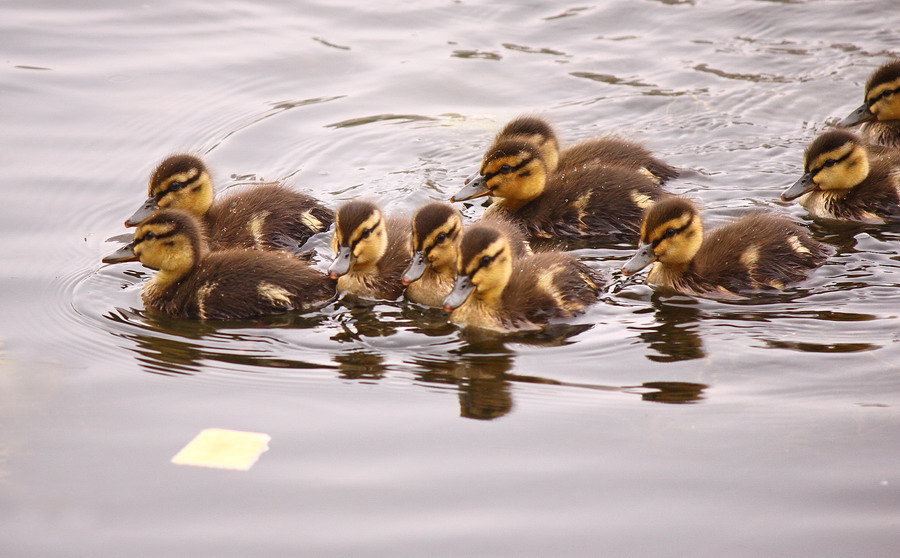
(880, 113)
(606, 151)
(841, 181)
(758, 251)
(590, 201)
(436, 230)
(497, 291)
(372, 251)
(192, 282)
(264, 217)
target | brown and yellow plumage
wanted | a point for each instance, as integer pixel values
(608, 151)
(842, 180)
(436, 231)
(604, 203)
(498, 291)
(757, 252)
(263, 217)
(372, 251)
(193, 282)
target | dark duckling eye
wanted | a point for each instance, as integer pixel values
(670, 232)
(149, 236)
(440, 238)
(175, 186)
(365, 234)
(505, 169)
(486, 260)
(830, 163)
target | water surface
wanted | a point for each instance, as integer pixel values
(653, 425)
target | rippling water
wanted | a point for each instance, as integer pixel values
(654, 424)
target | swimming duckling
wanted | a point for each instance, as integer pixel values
(192, 282)
(606, 151)
(756, 252)
(264, 217)
(880, 113)
(436, 229)
(841, 181)
(591, 201)
(497, 291)
(372, 251)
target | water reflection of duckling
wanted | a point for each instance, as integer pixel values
(607, 151)
(880, 112)
(264, 217)
(372, 252)
(841, 180)
(589, 201)
(756, 252)
(192, 282)
(496, 291)
(436, 229)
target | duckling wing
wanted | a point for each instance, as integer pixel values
(759, 251)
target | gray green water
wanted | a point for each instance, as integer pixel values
(653, 425)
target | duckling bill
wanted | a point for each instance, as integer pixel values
(193, 282)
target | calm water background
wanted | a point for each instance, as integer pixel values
(654, 425)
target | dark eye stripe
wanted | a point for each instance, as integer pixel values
(679, 230)
(360, 238)
(836, 161)
(154, 235)
(449, 234)
(178, 185)
(883, 94)
(491, 175)
(481, 265)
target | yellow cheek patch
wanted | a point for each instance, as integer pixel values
(224, 449)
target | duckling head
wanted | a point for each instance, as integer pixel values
(836, 160)
(179, 182)
(537, 131)
(483, 268)
(671, 233)
(882, 99)
(435, 231)
(360, 238)
(169, 241)
(513, 170)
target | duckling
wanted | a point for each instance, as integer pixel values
(880, 113)
(591, 201)
(606, 151)
(264, 217)
(497, 291)
(758, 251)
(841, 181)
(436, 229)
(193, 282)
(372, 251)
